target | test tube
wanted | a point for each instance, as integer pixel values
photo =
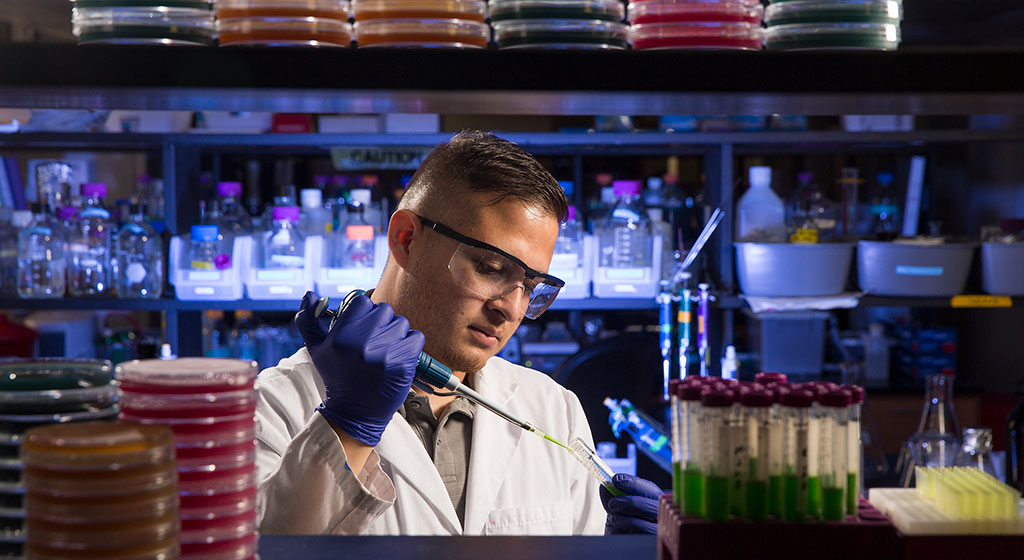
(598, 468)
(693, 475)
(757, 408)
(738, 449)
(678, 441)
(796, 413)
(717, 464)
(832, 444)
(814, 467)
(853, 449)
(776, 452)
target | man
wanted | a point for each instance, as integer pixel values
(468, 246)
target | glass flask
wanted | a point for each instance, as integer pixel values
(977, 450)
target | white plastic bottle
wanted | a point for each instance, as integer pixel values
(89, 246)
(730, 363)
(140, 258)
(359, 233)
(316, 220)
(284, 246)
(204, 247)
(41, 264)
(624, 238)
(760, 213)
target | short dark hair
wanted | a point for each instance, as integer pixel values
(481, 162)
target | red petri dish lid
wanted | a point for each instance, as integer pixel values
(153, 405)
(235, 549)
(222, 481)
(216, 458)
(208, 531)
(697, 36)
(213, 506)
(695, 12)
(188, 375)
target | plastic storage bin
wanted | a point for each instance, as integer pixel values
(612, 282)
(340, 281)
(282, 283)
(1002, 268)
(793, 269)
(208, 285)
(577, 275)
(906, 269)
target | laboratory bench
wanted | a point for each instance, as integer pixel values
(632, 547)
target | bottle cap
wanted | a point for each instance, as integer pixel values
(362, 196)
(856, 393)
(758, 398)
(837, 398)
(311, 198)
(626, 188)
(797, 398)
(572, 214)
(604, 179)
(321, 179)
(205, 233)
(769, 378)
(66, 212)
(93, 190)
(289, 213)
(717, 398)
(229, 188)
(749, 386)
(567, 186)
(760, 175)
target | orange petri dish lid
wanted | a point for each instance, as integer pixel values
(102, 535)
(96, 446)
(312, 32)
(101, 485)
(452, 33)
(475, 10)
(325, 9)
(189, 375)
(68, 510)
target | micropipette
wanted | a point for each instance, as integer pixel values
(432, 374)
(589, 459)
(702, 330)
(683, 324)
(665, 329)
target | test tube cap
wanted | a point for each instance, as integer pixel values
(757, 398)
(690, 392)
(837, 398)
(856, 393)
(747, 386)
(797, 398)
(766, 378)
(717, 398)
(674, 386)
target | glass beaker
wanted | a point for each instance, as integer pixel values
(977, 450)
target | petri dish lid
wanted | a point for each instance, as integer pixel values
(235, 549)
(102, 17)
(329, 9)
(697, 35)
(606, 10)
(64, 509)
(574, 33)
(228, 403)
(167, 548)
(833, 36)
(102, 535)
(285, 31)
(43, 374)
(693, 12)
(223, 481)
(218, 529)
(101, 484)
(96, 446)
(214, 506)
(834, 11)
(152, 4)
(363, 10)
(215, 458)
(447, 31)
(10, 423)
(58, 400)
(188, 375)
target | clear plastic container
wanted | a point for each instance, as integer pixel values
(96, 446)
(707, 35)
(818, 36)
(41, 262)
(90, 246)
(140, 258)
(313, 32)
(247, 9)
(727, 11)
(475, 10)
(444, 33)
(560, 34)
(605, 10)
(147, 25)
(187, 375)
(834, 11)
(624, 237)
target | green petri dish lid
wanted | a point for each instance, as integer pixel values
(27, 421)
(833, 36)
(45, 374)
(839, 11)
(605, 10)
(58, 401)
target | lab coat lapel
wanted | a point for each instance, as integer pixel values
(494, 443)
(400, 447)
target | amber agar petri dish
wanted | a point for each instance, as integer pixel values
(102, 535)
(166, 549)
(247, 9)
(187, 375)
(444, 33)
(74, 510)
(75, 484)
(96, 446)
(473, 10)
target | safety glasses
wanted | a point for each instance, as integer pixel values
(487, 271)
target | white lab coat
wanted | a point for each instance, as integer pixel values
(517, 483)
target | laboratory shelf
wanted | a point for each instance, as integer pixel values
(737, 302)
(909, 81)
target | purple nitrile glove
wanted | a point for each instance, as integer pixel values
(367, 363)
(634, 513)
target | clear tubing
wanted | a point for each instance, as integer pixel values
(678, 442)
(756, 476)
(594, 465)
(797, 462)
(776, 458)
(854, 482)
(737, 421)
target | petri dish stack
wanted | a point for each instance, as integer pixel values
(150, 22)
(209, 405)
(100, 490)
(833, 24)
(559, 24)
(696, 24)
(36, 392)
(308, 23)
(458, 24)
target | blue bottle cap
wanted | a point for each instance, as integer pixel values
(205, 233)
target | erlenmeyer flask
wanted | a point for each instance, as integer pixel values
(937, 439)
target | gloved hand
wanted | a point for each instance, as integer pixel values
(634, 513)
(367, 362)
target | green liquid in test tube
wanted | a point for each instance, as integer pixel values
(717, 465)
(852, 486)
(793, 503)
(853, 449)
(693, 482)
(775, 495)
(757, 410)
(717, 498)
(833, 508)
(799, 482)
(814, 496)
(694, 492)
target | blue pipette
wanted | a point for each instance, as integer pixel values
(432, 375)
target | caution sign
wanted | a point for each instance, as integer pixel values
(981, 301)
(391, 157)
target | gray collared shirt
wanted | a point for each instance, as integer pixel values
(447, 440)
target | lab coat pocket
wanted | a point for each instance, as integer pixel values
(543, 519)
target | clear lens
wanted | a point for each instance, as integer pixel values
(490, 275)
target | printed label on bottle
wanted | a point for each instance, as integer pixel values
(907, 270)
(135, 272)
(683, 317)
(981, 301)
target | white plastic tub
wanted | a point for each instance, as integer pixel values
(1002, 268)
(889, 268)
(793, 269)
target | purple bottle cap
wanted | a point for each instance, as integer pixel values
(717, 398)
(572, 214)
(626, 188)
(767, 378)
(229, 188)
(690, 392)
(836, 399)
(94, 190)
(805, 177)
(797, 398)
(856, 393)
(759, 398)
(321, 179)
(66, 212)
(290, 213)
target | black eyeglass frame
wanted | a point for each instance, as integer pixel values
(466, 240)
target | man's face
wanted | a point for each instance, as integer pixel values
(463, 330)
